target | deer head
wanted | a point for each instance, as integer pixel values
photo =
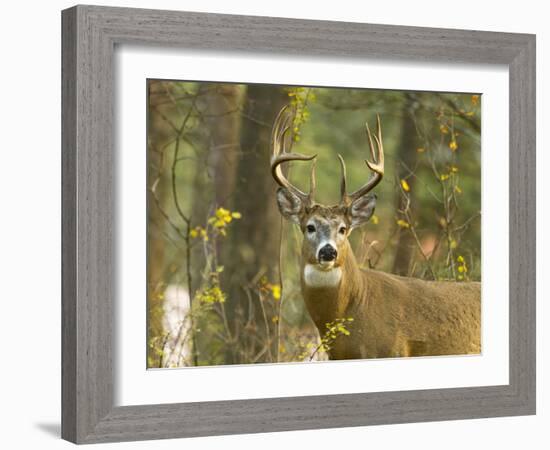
(325, 228)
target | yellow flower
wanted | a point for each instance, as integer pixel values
(460, 258)
(199, 231)
(405, 186)
(236, 215)
(276, 291)
(403, 224)
(211, 295)
(443, 129)
(221, 212)
(420, 149)
(458, 190)
(374, 219)
(453, 145)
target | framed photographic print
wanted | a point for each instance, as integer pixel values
(264, 228)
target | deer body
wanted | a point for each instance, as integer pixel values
(392, 315)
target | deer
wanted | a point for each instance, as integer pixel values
(393, 316)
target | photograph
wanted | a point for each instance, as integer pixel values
(298, 224)
(274, 225)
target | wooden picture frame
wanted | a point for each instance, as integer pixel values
(90, 34)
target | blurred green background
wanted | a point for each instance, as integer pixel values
(223, 268)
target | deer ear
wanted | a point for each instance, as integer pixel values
(361, 210)
(290, 205)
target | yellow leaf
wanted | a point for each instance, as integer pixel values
(405, 186)
(458, 190)
(236, 215)
(443, 129)
(420, 149)
(374, 219)
(475, 99)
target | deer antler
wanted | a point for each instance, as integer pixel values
(377, 166)
(280, 154)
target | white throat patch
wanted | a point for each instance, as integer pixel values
(315, 277)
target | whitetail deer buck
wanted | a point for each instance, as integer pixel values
(392, 315)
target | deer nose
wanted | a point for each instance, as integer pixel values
(327, 253)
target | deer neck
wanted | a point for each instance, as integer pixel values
(328, 294)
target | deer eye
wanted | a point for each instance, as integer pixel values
(310, 229)
(342, 230)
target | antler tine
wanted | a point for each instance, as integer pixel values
(281, 155)
(312, 181)
(377, 165)
(343, 182)
(280, 126)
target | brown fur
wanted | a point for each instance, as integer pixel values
(394, 315)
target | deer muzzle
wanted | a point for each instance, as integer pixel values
(327, 253)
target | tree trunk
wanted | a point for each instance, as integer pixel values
(252, 250)
(223, 121)
(406, 158)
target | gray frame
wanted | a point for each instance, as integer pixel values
(89, 36)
